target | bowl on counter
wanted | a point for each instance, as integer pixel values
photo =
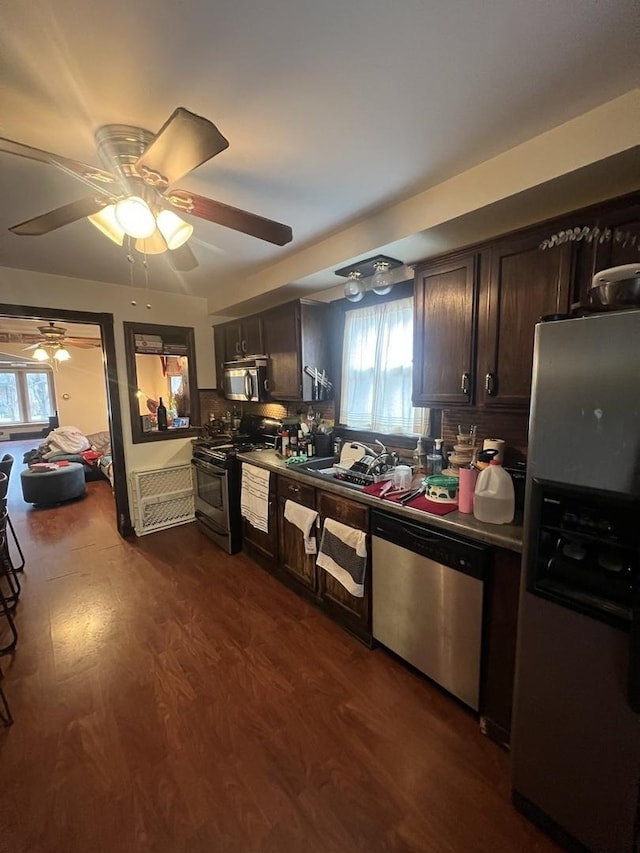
(442, 488)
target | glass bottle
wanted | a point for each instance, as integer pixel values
(161, 415)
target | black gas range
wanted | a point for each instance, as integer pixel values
(217, 486)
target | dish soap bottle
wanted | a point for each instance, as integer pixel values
(434, 459)
(419, 458)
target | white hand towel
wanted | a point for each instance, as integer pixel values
(304, 519)
(254, 496)
(301, 516)
(343, 553)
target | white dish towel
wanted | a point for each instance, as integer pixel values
(343, 553)
(304, 519)
(254, 496)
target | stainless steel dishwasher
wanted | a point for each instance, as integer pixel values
(427, 601)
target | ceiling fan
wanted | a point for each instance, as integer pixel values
(134, 194)
(53, 343)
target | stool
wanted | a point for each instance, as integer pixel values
(53, 485)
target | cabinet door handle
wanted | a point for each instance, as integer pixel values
(464, 383)
(490, 384)
(244, 346)
(238, 348)
(294, 488)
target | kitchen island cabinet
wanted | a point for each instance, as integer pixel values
(293, 560)
(351, 612)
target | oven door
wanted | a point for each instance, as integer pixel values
(212, 496)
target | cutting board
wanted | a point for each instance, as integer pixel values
(351, 453)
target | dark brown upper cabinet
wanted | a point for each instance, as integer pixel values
(243, 338)
(296, 335)
(161, 362)
(520, 284)
(444, 329)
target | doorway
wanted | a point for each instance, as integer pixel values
(105, 322)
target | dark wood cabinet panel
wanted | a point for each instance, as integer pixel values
(351, 612)
(502, 589)
(444, 311)
(264, 546)
(281, 328)
(241, 338)
(296, 335)
(292, 556)
(520, 284)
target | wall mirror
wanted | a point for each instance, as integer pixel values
(161, 366)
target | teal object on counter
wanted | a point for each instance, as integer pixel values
(441, 487)
(297, 460)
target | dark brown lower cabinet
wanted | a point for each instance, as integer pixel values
(352, 613)
(264, 546)
(292, 557)
(502, 591)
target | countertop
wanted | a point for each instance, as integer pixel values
(507, 536)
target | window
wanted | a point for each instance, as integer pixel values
(26, 396)
(377, 370)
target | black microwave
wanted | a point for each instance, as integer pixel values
(246, 380)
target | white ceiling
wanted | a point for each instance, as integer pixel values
(334, 110)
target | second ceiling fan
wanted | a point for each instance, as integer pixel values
(134, 195)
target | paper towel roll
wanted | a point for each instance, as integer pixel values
(495, 444)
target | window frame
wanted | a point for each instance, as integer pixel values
(20, 373)
(339, 310)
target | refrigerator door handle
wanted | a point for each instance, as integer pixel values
(634, 655)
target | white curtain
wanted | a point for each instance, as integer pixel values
(377, 370)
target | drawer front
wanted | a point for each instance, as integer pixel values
(296, 491)
(343, 510)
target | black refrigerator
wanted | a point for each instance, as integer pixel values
(576, 723)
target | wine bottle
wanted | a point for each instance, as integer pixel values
(161, 415)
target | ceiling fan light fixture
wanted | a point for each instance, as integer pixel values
(41, 354)
(61, 354)
(134, 216)
(154, 245)
(175, 231)
(106, 222)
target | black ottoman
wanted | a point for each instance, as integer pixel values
(54, 485)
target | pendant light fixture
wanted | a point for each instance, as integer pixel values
(354, 287)
(377, 269)
(382, 282)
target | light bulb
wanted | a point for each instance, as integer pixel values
(61, 354)
(134, 215)
(175, 231)
(354, 287)
(105, 221)
(381, 282)
(41, 354)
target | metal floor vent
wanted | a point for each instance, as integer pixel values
(162, 498)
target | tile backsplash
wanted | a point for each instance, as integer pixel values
(510, 426)
(212, 403)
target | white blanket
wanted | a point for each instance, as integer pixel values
(66, 439)
(254, 496)
(343, 553)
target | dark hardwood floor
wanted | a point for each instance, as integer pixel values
(170, 698)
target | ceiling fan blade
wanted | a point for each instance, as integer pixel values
(184, 141)
(31, 346)
(231, 217)
(81, 343)
(57, 218)
(90, 175)
(183, 259)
